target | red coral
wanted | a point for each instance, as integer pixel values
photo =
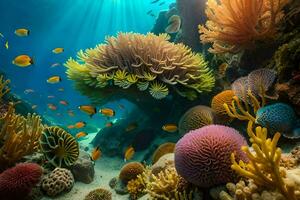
(16, 183)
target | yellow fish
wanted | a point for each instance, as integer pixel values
(54, 79)
(81, 134)
(170, 128)
(88, 109)
(6, 45)
(96, 154)
(107, 112)
(23, 61)
(22, 32)
(58, 50)
(129, 152)
(80, 124)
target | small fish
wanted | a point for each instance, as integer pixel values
(107, 112)
(131, 127)
(71, 126)
(50, 97)
(54, 79)
(171, 128)
(96, 154)
(152, 15)
(81, 134)
(63, 102)
(162, 3)
(71, 113)
(52, 106)
(80, 124)
(222, 69)
(27, 91)
(174, 24)
(23, 61)
(1, 35)
(122, 107)
(58, 50)
(88, 109)
(34, 106)
(109, 124)
(129, 152)
(22, 32)
(155, 1)
(55, 65)
(150, 11)
(61, 89)
(6, 44)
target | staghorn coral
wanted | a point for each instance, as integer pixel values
(19, 136)
(202, 156)
(234, 25)
(130, 171)
(148, 61)
(59, 147)
(99, 194)
(136, 187)
(163, 149)
(217, 105)
(4, 89)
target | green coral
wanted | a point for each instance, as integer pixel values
(99, 194)
(148, 62)
(59, 147)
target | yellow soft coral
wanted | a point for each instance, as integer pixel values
(3, 87)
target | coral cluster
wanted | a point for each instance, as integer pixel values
(163, 149)
(149, 62)
(217, 103)
(4, 89)
(98, 194)
(130, 171)
(234, 25)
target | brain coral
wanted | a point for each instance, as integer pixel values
(130, 171)
(163, 149)
(17, 182)
(59, 147)
(196, 117)
(149, 62)
(202, 156)
(98, 194)
(217, 104)
(58, 181)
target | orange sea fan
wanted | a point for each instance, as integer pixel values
(235, 24)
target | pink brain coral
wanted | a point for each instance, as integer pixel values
(202, 156)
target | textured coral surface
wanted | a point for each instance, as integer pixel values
(130, 171)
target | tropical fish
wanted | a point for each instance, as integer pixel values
(80, 124)
(50, 97)
(174, 24)
(34, 106)
(22, 32)
(52, 106)
(152, 15)
(88, 109)
(109, 124)
(150, 11)
(162, 3)
(96, 154)
(55, 65)
(27, 91)
(58, 50)
(121, 106)
(61, 89)
(129, 152)
(155, 1)
(81, 134)
(54, 79)
(71, 126)
(6, 44)
(1, 35)
(71, 113)
(107, 112)
(171, 128)
(63, 102)
(131, 126)
(23, 61)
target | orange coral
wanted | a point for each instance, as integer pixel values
(235, 24)
(130, 171)
(163, 149)
(218, 102)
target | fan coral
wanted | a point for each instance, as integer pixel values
(3, 87)
(98, 194)
(147, 61)
(130, 171)
(196, 117)
(163, 149)
(202, 156)
(235, 25)
(19, 136)
(59, 147)
(218, 102)
(58, 181)
(16, 183)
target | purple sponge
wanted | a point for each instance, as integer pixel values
(202, 156)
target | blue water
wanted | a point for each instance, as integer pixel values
(73, 25)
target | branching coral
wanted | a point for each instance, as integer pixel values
(147, 61)
(3, 87)
(235, 24)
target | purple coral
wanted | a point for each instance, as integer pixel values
(202, 156)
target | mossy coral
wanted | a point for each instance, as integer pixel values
(148, 61)
(59, 147)
(99, 194)
(163, 149)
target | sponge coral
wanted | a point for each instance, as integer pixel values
(148, 61)
(16, 183)
(218, 102)
(98, 194)
(130, 171)
(163, 149)
(236, 24)
(202, 156)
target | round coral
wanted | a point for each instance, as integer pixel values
(196, 117)
(17, 182)
(98, 194)
(217, 104)
(130, 171)
(163, 149)
(202, 156)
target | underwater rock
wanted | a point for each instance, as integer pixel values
(83, 169)
(58, 181)
(113, 182)
(121, 188)
(163, 162)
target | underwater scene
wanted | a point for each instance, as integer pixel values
(150, 100)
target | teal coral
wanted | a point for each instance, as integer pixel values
(59, 147)
(148, 61)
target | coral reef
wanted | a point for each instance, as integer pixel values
(59, 147)
(217, 105)
(83, 169)
(237, 24)
(99, 194)
(202, 156)
(163, 149)
(130, 171)
(4, 89)
(17, 182)
(58, 181)
(196, 117)
(147, 61)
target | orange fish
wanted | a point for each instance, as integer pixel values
(81, 134)
(129, 152)
(96, 154)
(64, 102)
(131, 127)
(109, 124)
(71, 126)
(171, 128)
(80, 124)
(107, 112)
(88, 109)
(52, 106)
